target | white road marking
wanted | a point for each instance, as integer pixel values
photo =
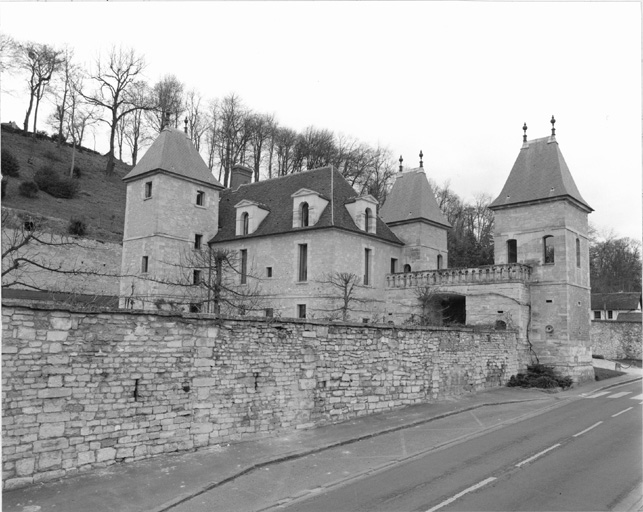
(537, 455)
(619, 395)
(637, 397)
(615, 415)
(587, 429)
(460, 494)
(598, 394)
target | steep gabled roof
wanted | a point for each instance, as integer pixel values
(276, 194)
(630, 317)
(412, 199)
(620, 301)
(539, 174)
(174, 153)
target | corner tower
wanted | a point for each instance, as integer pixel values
(172, 210)
(413, 214)
(541, 221)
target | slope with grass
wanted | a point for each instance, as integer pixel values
(100, 201)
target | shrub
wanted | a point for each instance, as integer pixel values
(42, 135)
(10, 165)
(28, 189)
(48, 181)
(52, 156)
(77, 227)
(540, 376)
(77, 172)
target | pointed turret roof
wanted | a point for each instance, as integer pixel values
(173, 152)
(539, 174)
(411, 199)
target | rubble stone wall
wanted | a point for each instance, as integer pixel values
(84, 389)
(616, 340)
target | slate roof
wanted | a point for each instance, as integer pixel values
(412, 199)
(275, 196)
(621, 301)
(630, 317)
(539, 173)
(173, 152)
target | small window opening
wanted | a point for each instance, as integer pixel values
(393, 265)
(198, 239)
(597, 315)
(200, 198)
(196, 277)
(301, 310)
(367, 220)
(144, 264)
(268, 271)
(195, 307)
(610, 315)
(439, 261)
(303, 262)
(270, 312)
(407, 268)
(29, 225)
(367, 265)
(148, 190)
(500, 325)
(578, 253)
(549, 301)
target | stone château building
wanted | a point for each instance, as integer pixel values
(294, 246)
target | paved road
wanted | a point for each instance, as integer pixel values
(586, 455)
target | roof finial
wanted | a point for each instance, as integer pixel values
(553, 128)
(421, 155)
(524, 129)
(185, 128)
(401, 160)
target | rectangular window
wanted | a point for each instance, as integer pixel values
(200, 198)
(144, 264)
(393, 265)
(367, 267)
(301, 310)
(148, 190)
(244, 266)
(512, 251)
(610, 315)
(578, 253)
(195, 307)
(197, 241)
(268, 271)
(196, 277)
(548, 243)
(303, 262)
(597, 315)
(270, 312)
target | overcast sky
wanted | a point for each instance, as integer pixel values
(456, 80)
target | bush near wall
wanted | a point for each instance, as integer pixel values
(84, 390)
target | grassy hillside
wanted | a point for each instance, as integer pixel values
(100, 201)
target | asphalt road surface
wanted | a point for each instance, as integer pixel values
(585, 456)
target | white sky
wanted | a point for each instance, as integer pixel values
(453, 79)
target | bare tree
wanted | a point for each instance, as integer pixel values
(285, 140)
(344, 293)
(40, 61)
(9, 50)
(167, 96)
(232, 134)
(430, 303)
(260, 129)
(115, 80)
(197, 122)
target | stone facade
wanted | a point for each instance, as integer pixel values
(616, 340)
(83, 390)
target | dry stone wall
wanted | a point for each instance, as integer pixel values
(616, 340)
(87, 389)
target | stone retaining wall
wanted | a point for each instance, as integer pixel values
(87, 389)
(616, 340)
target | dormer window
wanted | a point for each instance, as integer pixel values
(303, 215)
(250, 215)
(363, 211)
(308, 207)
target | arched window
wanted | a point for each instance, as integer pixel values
(407, 268)
(245, 221)
(304, 214)
(439, 261)
(548, 249)
(367, 219)
(578, 253)
(512, 251)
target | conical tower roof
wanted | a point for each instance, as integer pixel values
(173, 152)
(539, 174)
(411, 199)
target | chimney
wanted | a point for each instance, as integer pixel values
(240, 175)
